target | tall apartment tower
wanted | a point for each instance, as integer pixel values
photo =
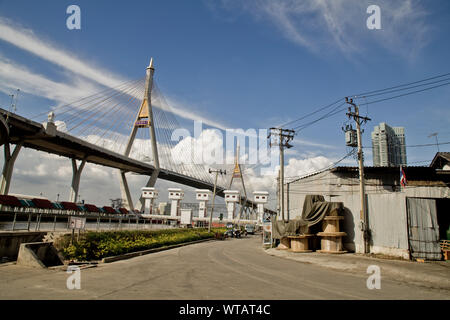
(388, 146)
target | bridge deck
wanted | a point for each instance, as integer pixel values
(34, 136)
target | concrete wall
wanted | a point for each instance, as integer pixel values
(10, 242)
(39, 254)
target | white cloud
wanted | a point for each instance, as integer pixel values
(29, 41)
(341, 24)
(301, 167)
(13, 76)
(38, 172)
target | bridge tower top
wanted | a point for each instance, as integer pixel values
(237, 171)
(143, 120)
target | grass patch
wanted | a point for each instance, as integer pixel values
(98, 245)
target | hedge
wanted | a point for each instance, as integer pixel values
(98, 245)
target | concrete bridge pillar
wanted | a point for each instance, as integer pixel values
(232, 197)
(125, 192)
(176, 195)
(8, 166)
(149, 195)
(260, 198)
(77, 170)
(203, 198)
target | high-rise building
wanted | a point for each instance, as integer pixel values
(388, 146)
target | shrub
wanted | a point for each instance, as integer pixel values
(98, 245)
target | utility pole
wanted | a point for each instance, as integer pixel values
(278, 193)
(354, 113)
(217, 172)
(284, 137)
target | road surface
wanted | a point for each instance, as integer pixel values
(231, 269)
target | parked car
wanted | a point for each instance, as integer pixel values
(250, 228)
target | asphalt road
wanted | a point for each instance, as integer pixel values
(231, 269)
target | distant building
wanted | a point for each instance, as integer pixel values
(388, 146)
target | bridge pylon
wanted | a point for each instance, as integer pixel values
(144, 120)
(237, 174)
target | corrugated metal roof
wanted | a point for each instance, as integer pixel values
(416, 173)
(439, 158)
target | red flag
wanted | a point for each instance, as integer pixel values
(402, 177)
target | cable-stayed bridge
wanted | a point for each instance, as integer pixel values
(128, 128)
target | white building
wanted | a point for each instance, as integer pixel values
(388, 146)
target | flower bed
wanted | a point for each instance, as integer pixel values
(98, 245)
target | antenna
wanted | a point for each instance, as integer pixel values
(13, 106)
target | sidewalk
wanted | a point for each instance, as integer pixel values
(431, 274)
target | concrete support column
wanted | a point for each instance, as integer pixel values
(8, 166)
(202, 195)
(176, 195)
(231, 208)
(125, 191)
(260, 198)
(149, 195)
(174, 208)
(150, 184)
(260, 212)
(76, 179)
(232, 197)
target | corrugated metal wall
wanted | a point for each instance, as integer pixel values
(387, 210)
(423, 229)
(387, 220)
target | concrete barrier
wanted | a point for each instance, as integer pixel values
(10, 242)
(39, 254)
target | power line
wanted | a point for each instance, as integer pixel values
(403, 89)
(392, 89)
(331, 113)
(401, 85)
(404, 94)
(294, 178)
(310, 114)
(419, 145)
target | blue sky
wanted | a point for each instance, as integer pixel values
(246, 64)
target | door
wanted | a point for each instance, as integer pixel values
(423, 230)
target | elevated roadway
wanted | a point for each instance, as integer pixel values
(34, 135)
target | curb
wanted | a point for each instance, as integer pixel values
(148, 251)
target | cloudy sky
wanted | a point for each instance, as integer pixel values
(231, 64)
